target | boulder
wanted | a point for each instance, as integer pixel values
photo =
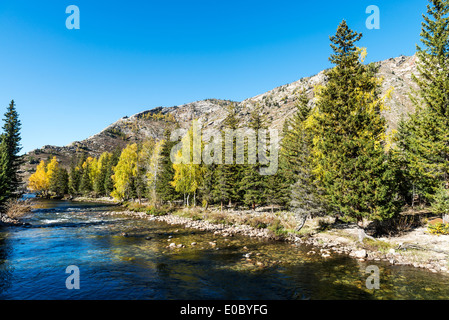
(360, 254)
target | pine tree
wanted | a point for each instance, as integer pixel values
(164, 189)
(295, 145)
(74, 179)
(4, 179)
(59, 182)
(85, 186)
(305, 197)
(102, 167)
(228, 175)
(349, 155)
(11, 138)
(253, 184)
(76, 173)
(423, 139)
(205, 190)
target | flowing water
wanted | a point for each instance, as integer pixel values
(114, 265)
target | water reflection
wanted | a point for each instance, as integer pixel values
(142, 265)
(5, 265)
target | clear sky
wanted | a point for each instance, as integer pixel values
(129, 56)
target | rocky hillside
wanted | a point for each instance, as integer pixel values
(277, 105)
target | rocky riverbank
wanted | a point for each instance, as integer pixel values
(7, 221)
(416, 248)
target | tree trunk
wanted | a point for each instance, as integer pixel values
(362, 233)
(302, 222)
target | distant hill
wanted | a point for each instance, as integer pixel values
(277, 105)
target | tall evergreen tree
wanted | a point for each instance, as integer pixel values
(205, 190)
(228, 175)
(305, 196)
(4, 179)
(253, 184)
(292, 152)
(349, 136)
(11, 138)
(59, 182)
(423, 139)
(85, 186)
(164, 189)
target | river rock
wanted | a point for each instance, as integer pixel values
(360, 254)
(148, 238)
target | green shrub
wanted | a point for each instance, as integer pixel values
(151, 210)
(277, 228)
(440, 203)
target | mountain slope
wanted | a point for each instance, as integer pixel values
(277, 105)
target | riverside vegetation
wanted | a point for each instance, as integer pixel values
(336, 161)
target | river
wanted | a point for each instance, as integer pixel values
(114, 265)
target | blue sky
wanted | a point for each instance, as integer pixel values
(130, 56)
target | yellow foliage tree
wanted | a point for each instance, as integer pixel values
(124, 172)
(38, 181)
(188, 174)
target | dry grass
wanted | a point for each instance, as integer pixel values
(15, 208)
(279, 222)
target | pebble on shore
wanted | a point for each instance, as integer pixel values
(353, 250)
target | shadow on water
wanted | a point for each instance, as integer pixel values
(5, 267)
(124, 258)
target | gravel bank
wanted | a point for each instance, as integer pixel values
(416, 248)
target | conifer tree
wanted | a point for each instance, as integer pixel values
(76, 173)
(349, 155)
(11, 138)
(59, 182)
(304, 194)
(74, 179)
(253, 184)
(102, 167)
(228, 175)
(423, 139)
(205, 190)
(4, 180)
(85, 182)
(294, 148)
(165, 174)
